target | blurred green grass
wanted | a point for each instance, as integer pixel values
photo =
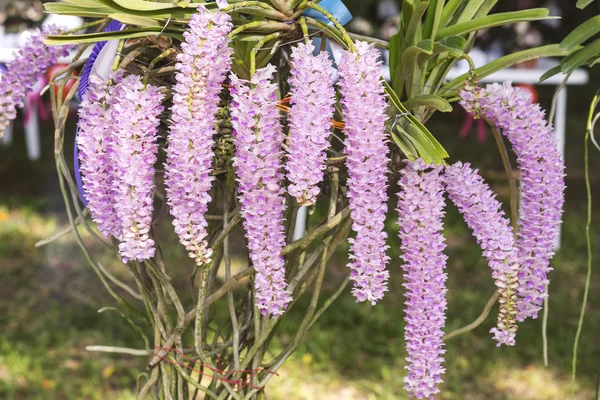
(49, 298)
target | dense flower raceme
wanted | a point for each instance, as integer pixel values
(258, 140)
(420, 212)
(312, 97)
(95, 154)
(29, 64)
(201, 69)
(542, 184)
(484, 215)
(134, 113)
(366, 149)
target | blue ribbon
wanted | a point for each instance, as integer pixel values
(113, 26)
(335, 7)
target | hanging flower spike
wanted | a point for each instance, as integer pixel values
(420, 213)
(366, 148)
(542, 185)
(484, 215)
(201, 69)
(134, 113)
(95, 155)
(258, 140)
(24, 70)
(312, 97)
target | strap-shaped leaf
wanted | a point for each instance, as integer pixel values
(413, 63)
(70, 9)
(583, 3)
(428, 100)
(490, 21)
(433, 151)
(552, 50)
(449, 11)
(432, 19)
(101, 36)
(580, 57)
(134, 20)
(452, 44)
(410, 38)
(582, 33)
(550, 73)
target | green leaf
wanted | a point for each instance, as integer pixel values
(550, 73)
(583, 3)
(582, 33)
(434, 151)
(432, 20)
(468, 10)
(413, 63)
(552, 50)
(580, 57)
(402, 140)
(394, 43)
(69, 9)
(101, 36)
(490, 21)
(452, 44)
(411, 38)
(136, 20)
(428, 100)
(449, 11)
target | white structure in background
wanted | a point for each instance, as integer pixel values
(9, 45)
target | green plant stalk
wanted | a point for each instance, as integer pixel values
(589, 128)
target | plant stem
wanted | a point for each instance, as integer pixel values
(588, 239)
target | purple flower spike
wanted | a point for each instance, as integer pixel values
(95, 155)
(484, 215)
(366, 149)
(29, 64)
(258, 140)
(420, 212)
(313, 96)
(134, 113)
(201, 69)
(542, 184)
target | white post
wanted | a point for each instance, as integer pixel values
(300, 226)
(560, 127)
(32, 132)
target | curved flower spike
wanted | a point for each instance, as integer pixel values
(484, 215)
(134, 113)
(29, 64)
(258, 140)
(420, 212)
(367, 161)
(312, 97)
(96, 157)
(542, 184)
(201, 69)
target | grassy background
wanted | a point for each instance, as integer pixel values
(49, 298)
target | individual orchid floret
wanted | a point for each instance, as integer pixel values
(201, 68)
(24, 70)
(364, 106)
(542, 184)
(312, 97)
(134, 114)
(258, 140)
(420, 213)
(96, 157)
(484, 215)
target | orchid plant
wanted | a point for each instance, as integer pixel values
(228, 107)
